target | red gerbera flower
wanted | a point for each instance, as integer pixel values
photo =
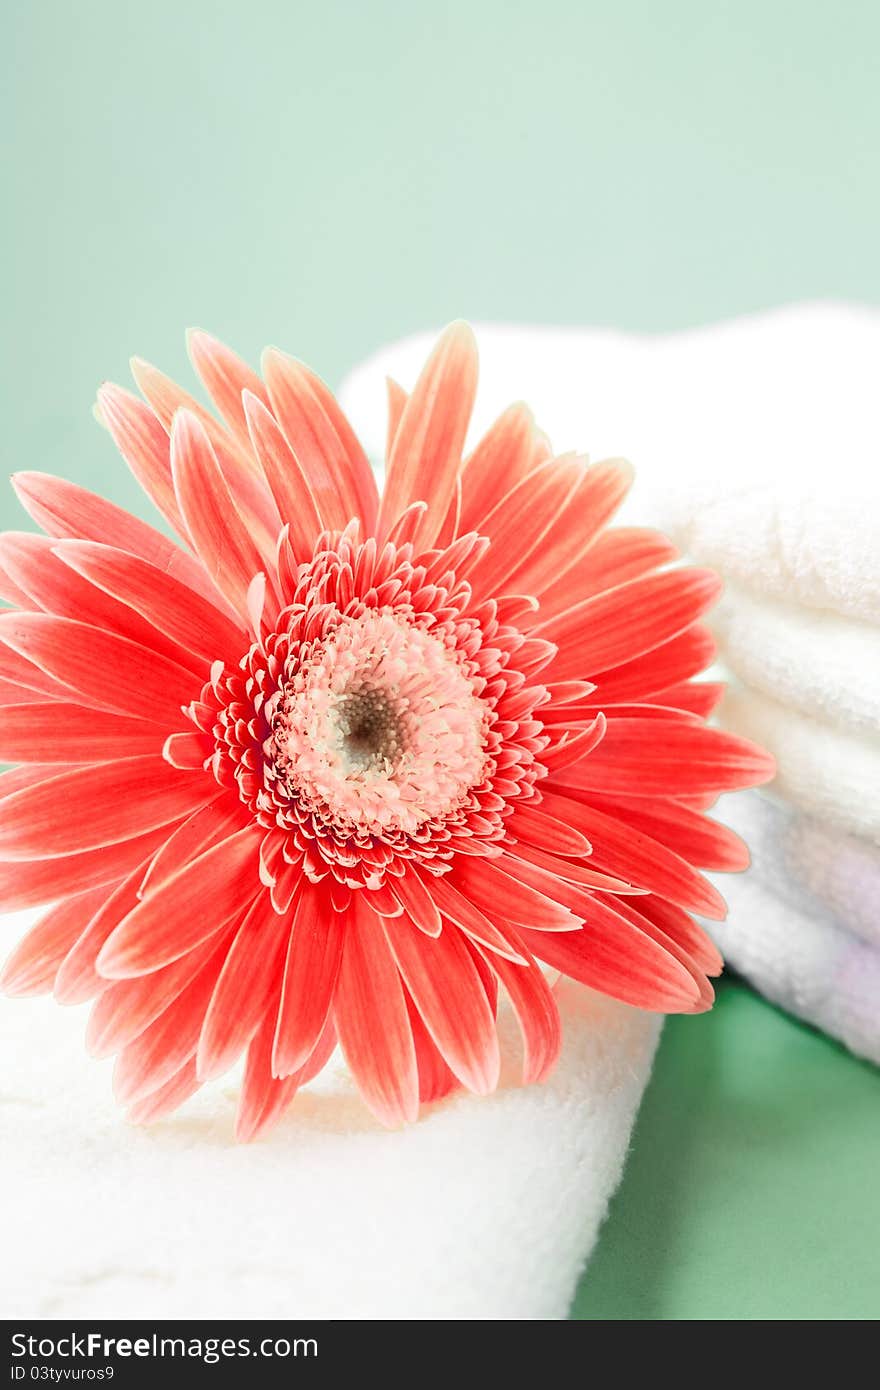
(337, 768)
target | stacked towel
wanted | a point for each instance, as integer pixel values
(804, 922)
(755, 446)
(485, 1209)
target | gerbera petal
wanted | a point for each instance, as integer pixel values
(222, 541)
(69, 512)
(677, 660)
(383, 901)
(166, 398)
(326, 446)
(191, 623)
(12, 694)
(57, 589)
(444, 564)
(34, 882)
(600, 491)
(486, 973)
(569, 745)
(226, 376)
(236, 463)
(56, 731)
(166, 1098)
(124, 1010)
(615, 557)
(90, 807)
(397, 399)
(104, 669)
(405, 529)
(641, 758)
(203, 828)
(16, 779)
(21, 675)
(628, 621)
(287, 480)
(703, 842)
(498, 896)
(436, 1081)
(697, 697)
(572, 870)
(247, 986)
(549, 882)
(414, 895)
(143, 443)
(619, 848)
(520, 523)
(611, 955)
(189, 752)
(314, 954)
(706, 994)
(184, 909)
(10, 592)
(544, 526)
(77, 978)
(504, 455)
(619, 710)
(448, 993)
(538, 826)
(372, 1020)
(167, 1043)
(426, 456)
(450, 526)
(697, 801)
(33, 965)
(678, 926)
(536, 1011)
(263, 1098)
(474, 923)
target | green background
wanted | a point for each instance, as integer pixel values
(328, 176)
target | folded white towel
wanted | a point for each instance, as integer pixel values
(815, 869)
(822, 769)
(825, 975)
(843, 873)
(821, 664)
(487, 1208)
(755, 442)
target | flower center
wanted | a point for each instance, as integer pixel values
(370, 731)
(386, 718)
(378, 727)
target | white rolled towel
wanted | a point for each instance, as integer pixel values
(808, 965)
(818, 663)
(485, 1209)
(817, 870)
(802, 923)
(822, 769)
